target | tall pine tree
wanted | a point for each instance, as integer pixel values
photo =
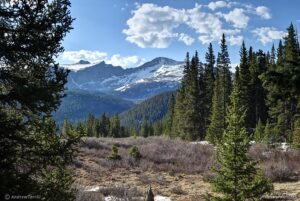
(209, 79)
(34, 158)
(244, 84)
(222, 89)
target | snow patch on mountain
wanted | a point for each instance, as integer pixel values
(159, 75)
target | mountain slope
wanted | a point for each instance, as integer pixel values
(152, 109)
(154, 77)
(77, 104)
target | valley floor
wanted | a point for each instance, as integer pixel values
(171, 167)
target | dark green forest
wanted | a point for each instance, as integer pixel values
(77, 103)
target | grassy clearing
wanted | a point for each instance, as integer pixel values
(174, 168)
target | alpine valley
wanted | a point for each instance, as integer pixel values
(99, 87)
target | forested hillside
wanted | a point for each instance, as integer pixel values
(78, 103)
(151, 110)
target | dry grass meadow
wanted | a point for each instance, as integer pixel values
(174, 168)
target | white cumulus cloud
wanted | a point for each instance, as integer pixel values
(235, 40)
(268, 34)
(152, 25)
(125, 62)
(237, 17)
(188, 40)
(156, 26)
(263, 12)
(207, 25)
(217, 4)
(92, 56)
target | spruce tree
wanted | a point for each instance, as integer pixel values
(66, 129)
(34, 158)
(237, 178)
(104, 125)
(222, 89)
(280, 54)
(296, 135)
(259, 132)
(192, 110)
(187, 110)
(216, 127)
(115, 127)
(203, 113)
(158, 128)
(268, 138)
(209, 79)
(223, 70)
(258, 66)
(168, 120)
(145, 130)
(91, 125)
(179, 120)
(244, 84)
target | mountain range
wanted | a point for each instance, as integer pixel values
(99, 87)
(154, 77)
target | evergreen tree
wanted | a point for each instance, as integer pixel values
(91, 125)
(168, 121)
(187, 111)
(268, 139)
(258, 66)
(193, 104)
(296, 135)
(209, 79)
(31, 88)
(66, 129)
(259, 132)
(273, 58)
(238, 178)
(180, 102)
(145, 129)
(244, 84)
(81, 129)
(115, 127)
(158, 128)
(114, 154)
(203, 114)
(215, 129)
(222, 89)
(280, 54)
(104, 125)
(224, 76)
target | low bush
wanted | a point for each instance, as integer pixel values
(135, 153)
(114, 154)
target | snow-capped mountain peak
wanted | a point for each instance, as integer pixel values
(158, 75)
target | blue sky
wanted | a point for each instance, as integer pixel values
(128, 33)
